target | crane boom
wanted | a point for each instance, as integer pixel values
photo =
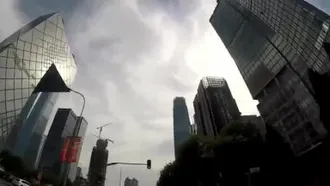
(101, 127)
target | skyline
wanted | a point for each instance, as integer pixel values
(138, 92)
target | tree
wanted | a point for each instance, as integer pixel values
(209, 162)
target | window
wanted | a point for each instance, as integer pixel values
(27, 46)
(2, 107)
(18, 104)
(34, 48)
(18, 94)
(20, 45)
(9, 84)
(26, 55)
(25, 83)
(10, 63)
(10, 73)
(2, 96)
(25, 93)
(9, 94)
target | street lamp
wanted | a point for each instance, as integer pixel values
(53, 82)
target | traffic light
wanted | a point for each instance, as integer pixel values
(148, 164)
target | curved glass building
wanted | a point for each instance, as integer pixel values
(25, 56)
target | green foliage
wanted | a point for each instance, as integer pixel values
(237, 148)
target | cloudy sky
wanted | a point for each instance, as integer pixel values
(133, 58)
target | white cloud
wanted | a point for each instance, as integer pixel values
(9, 18)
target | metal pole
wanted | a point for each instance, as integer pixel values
(120, 176)
(75, 132)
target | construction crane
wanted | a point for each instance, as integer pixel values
(101, 127)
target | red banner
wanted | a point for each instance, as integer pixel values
(73, 149)
(65, 150)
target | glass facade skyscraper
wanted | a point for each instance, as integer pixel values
(181, 122)
(214, 106)
(273, 44)
(25, 56)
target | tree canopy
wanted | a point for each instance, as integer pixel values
(225, 159)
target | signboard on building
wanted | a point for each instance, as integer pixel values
(70, 149)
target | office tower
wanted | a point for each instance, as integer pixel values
(29, 148)
(181, 123)
(273, 44)
(131, 182)
(24, 58)
(214, 106)
(98, 164)
(53, 158)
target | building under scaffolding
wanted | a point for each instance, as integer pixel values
(98, 163)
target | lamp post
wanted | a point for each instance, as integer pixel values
(75, 133)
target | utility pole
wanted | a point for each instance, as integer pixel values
(120, 174)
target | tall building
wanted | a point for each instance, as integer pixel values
(25, 56)
(131, 182)
(98, 164)
(30, 142)
(273, 44)
(214, 106)
(181, 123)
(64, 125)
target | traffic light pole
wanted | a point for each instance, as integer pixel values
(125, 163)
(148, 164)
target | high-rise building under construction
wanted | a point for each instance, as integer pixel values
(98, 163)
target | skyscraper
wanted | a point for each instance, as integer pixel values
(98, 163)
(24, 58)
(273, 44)
(131, 182)
(53, 159)
(181, 123)
(29, 143)
(214, 106)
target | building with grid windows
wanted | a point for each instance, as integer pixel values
(24, 58)
(214, 106)
(181, 122)
(273, 43)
